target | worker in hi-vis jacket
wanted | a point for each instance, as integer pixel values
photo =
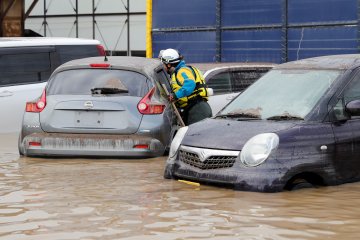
(189, 91)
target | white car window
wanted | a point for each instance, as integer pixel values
(243, 78)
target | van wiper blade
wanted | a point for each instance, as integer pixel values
(285, 117)
(106, 90)
(238, 115)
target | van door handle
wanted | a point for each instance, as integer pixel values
(230, 97)
(6, 93)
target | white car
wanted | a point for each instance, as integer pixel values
(227, 80)
(26, 65)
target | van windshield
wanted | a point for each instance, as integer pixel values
(283, 94)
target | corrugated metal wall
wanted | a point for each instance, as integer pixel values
(255, 30)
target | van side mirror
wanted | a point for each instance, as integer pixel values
(353, 107)
(210, 91)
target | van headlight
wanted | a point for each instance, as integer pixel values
(175, 144)
(258, 148)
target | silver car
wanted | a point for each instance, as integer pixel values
(115, 107)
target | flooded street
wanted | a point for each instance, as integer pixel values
(129, 199)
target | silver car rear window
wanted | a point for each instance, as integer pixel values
(82, 81)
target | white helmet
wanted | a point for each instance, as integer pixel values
(160, 54)
(170, 56)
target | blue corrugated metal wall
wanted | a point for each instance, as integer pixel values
(179, 14)
(189, 29)
(255, 30)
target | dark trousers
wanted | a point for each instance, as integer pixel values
(196, 112)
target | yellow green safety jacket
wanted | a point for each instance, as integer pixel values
(188, 84)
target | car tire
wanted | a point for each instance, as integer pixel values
(168, 172)
(166, 152)
(20, 147)
(300, 183)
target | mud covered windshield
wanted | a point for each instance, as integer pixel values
(283, 94)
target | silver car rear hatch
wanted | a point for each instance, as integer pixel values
(89, 115)
(94, 101)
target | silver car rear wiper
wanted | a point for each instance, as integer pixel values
(106, 90)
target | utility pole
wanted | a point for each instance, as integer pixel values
(77, 18)
(45, 22)
(93, 18)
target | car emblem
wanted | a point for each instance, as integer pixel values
(202, 156)
(88, 105)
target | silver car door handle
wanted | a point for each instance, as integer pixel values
(6, 94)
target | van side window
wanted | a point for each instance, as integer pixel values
(24, 68)
(68, 53)
(220, 83)
(243, 78)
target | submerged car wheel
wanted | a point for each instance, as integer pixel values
(299, 184)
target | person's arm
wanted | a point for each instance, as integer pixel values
(186, 77)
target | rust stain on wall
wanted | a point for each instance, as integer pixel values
(11, 18)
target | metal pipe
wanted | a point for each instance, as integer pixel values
(128, 28)
(93, 18)
(30, 9)
(88, 15)
(202, 29)
(45, 23)
(77, 17)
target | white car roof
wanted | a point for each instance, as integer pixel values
(41, 41)
(239, 67)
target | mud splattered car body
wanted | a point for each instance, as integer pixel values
(297, 126)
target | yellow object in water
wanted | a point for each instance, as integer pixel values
(190, 183)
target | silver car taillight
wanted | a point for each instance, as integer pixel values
(146, 106)
(37, 106)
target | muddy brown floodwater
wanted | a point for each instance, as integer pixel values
(129, 199)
